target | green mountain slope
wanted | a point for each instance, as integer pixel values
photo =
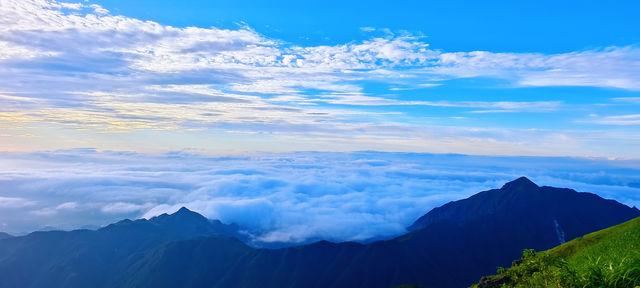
(606, 258)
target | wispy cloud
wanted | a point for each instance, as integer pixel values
(10, 51)
(242, 60)
(120, 208)
(635, 100)
(623, 120)
(615, 67)
(15, 202)
(358, 99)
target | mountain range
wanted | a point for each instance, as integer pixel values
(4, 235)
(450, 246)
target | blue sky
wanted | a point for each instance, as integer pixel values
(490, 78)
(498, 26)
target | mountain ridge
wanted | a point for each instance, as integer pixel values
(457, 243)
(359, 265)
(95, 254)
(4, 235)
(509, 194)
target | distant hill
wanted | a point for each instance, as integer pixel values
(86, 258)
(4, 235)
(451, 246)
(606, 258)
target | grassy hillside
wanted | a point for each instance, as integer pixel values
(606, 258)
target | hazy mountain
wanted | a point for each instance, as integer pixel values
(451, 246)
(85, 258)
(4, 235)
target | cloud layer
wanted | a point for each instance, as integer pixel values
(291, 197)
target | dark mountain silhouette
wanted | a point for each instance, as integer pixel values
(85, 258)
(451, 246)
(4, 235)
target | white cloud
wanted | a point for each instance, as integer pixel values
(123, 207)
(191, 78)
(52, 211)
(15, 202)
(360, 99)
(12, 98)
(623, 120)
(614, 67)
(67, 206)
(252, 60)
(46, 212)
(10, 51)
(429, 84)
(99, 9)
(279, 197)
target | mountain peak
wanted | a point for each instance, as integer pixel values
(184, 214)
(183, 210)
(520, 183)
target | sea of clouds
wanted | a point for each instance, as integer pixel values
(277, 197)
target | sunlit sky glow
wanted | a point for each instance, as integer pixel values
(155, 76)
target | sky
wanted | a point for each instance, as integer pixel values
(98, 98)
(490, 78)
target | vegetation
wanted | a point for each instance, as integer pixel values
(606, 258)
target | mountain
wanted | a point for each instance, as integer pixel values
(85, 258)
(522, 199)
(4, 235)
(451, 246)
(606, 258)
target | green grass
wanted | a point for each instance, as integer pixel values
(606, 258)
